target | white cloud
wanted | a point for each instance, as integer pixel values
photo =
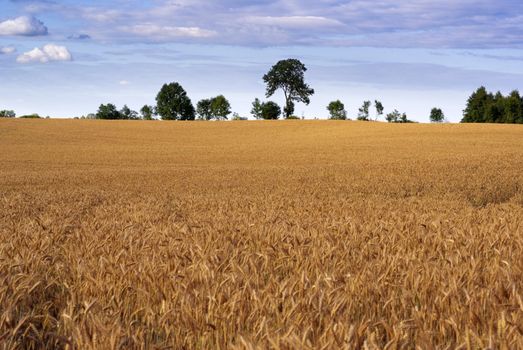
(49, 52)
(25, 25)
(392, 23)
(98, 15)
(7, 50)
(158, 32)
(124, 82)
(294, 21)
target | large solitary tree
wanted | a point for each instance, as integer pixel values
(289, 76)
(172, 103)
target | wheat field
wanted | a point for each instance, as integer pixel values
(260, 235)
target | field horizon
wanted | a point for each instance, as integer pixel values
(309, 234)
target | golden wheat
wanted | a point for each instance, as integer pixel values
(258, 235)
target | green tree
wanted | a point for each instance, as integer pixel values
(213, 108)
(128, 114)
(270, 110)
(7, 114)
(485, 107)
(513, 107)
(257, 109)
(289, 76)
(436, 115)
(172, 103)
(363, 113)
(337, 110)
(393, 117)
(147, 112)
(476, 108)
(379, 109)
(220, 107)
(203, 109)
(108, 111)
(495, 109)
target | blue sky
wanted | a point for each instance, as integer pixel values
(64, 58)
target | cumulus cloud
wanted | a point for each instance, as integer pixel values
(48, 53)
(25, 26)
(7, 50)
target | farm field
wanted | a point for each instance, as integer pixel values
(260, 235)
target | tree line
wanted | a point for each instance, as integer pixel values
(486, 107)
(337, 112)
(173, 103)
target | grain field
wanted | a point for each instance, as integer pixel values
(260, 235)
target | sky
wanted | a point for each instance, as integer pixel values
(64, 58)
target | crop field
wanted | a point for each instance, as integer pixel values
(260, 235)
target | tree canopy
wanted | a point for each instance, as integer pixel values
(379, 109)
(289, 76)
(437, 115)
(337, 110)
(128, 114)
(270, 110)
(486, 107)
(217, 108)
(110, 112)
(363, 113)
(220, 107)
(265, 110)
(172, 103)
(203, 109)
(257, 109)
(147, 112)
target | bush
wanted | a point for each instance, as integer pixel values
(236, 116)
(31, 116)
(7, 114)
(270, 110)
